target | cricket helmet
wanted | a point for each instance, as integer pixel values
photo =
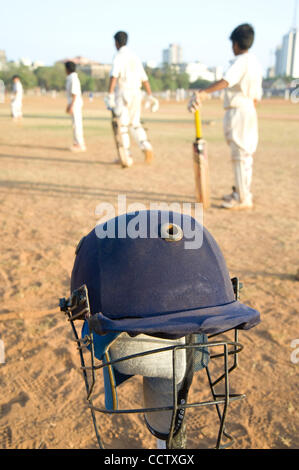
(162, 274)
(159, 283)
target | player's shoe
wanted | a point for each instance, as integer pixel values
(78, 148)
(149, 155)
(232, 195)
(129, 162)
(126, 163)
(234, 204)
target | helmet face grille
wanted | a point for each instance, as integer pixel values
(194, 345)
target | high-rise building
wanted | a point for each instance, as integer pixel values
(173, 55)
(295, 55)
(278, 61)
(287, 55)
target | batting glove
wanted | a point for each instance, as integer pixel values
(196, 100)
(109, 101)
(152, 103)
(193, 104)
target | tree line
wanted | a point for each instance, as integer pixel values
(50, 78)
(53, 78)
(169, 78)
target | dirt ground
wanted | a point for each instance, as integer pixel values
(48, 200)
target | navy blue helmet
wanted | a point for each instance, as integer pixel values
(155, 283)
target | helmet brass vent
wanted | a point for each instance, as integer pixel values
(171, 232)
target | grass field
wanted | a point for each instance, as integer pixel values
(48, 200)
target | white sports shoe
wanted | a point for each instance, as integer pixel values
(78, 148)
(129, 162)
(232, 195)
(234, 204)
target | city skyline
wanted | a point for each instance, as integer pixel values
(287, 55)
(46, 32)
(172, 55)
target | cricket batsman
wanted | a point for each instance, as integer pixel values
(74, 106)
(124, 98)
(17, 98)
(243, 89)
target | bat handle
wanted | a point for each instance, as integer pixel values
(197, 124)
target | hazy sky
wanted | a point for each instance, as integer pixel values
(50, 30)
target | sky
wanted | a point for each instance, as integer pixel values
(55, 29)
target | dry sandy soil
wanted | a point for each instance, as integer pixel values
(48, 200)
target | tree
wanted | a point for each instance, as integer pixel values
(167, 78)
(51, 78)
(90, 84)
(183, 81)
(200, 83)
(155, 83)
(26, 75)
(102, 84)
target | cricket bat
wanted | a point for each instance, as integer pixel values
(118, 141)
(201, 166)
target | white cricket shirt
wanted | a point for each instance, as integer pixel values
(128, 69)
(244, 79)
(73, 87)
(18, 90)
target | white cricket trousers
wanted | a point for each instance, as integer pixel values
(241, 133)
(16, 108)
(128, 108)
(77, 124)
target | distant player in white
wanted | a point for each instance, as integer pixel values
(17, 98)
(2, 91)
(126, 79)
(74, 106)
(243, 89)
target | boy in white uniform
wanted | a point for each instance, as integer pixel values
(17, 99)
(243, 88)
(74, 106)
(124, 98)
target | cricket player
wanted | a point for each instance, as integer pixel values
(17, 99)
(74, 106)
(243, 89)
(124, 98)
